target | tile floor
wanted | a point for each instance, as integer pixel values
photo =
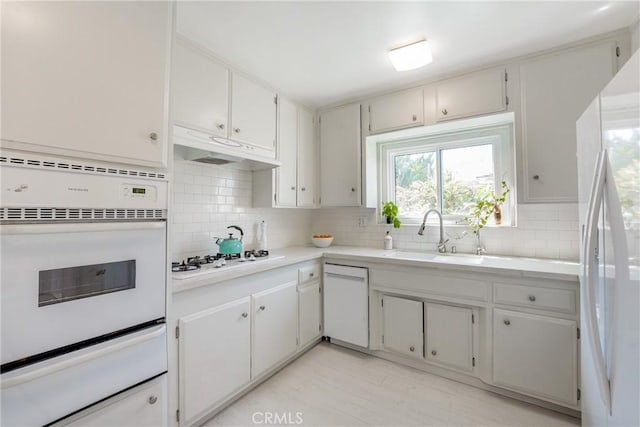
(334, 386)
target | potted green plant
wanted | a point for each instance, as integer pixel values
(485, 206)
(390, 211)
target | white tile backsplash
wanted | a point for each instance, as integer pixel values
(543, 231)
(209, 198)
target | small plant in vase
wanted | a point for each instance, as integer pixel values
(390, 211)
(482, 210)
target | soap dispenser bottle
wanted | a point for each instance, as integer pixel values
(388, 241)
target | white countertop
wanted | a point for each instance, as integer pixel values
(524, 267)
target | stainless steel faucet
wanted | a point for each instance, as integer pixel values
(442, 248)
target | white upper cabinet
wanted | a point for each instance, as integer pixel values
(402, 326)
(307, 159)
(340, 156)
(294, 182)
(199, 91)
(87, 79)
(555, 89)
(253, 113)
(396, 111)
(472, 94)
(286, 175)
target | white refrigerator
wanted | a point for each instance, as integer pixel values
(609, 200)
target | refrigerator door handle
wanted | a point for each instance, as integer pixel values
(590, 274)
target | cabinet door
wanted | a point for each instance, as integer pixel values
(403, 326)
(199, 91)
(307, 159)
(396, 111)
(340, 180)
(536, 355)
(471, 95)
(310, 326)
(253, 113)
(449, 335)
(275, 327)
(88, 80)
(145, 405)
(214, 356)
(286, 175)
(346, 304)
(555, 90)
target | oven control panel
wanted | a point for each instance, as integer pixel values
(139, 192)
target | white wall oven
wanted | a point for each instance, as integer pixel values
(83, 257)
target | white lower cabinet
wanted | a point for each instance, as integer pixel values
(449, 335)
(402, 326)
(536, 355)
(275, 326)
(309, 309)
(215, 349)
(144, 405)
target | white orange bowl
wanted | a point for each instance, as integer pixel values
(322, 242)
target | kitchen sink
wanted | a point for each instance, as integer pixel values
(444, 258)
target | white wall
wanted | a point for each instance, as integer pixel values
(543, 231)
(209, 198)
(635, 36)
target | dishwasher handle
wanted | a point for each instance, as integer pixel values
(345, 277)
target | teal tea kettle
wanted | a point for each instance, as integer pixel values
(231, 245)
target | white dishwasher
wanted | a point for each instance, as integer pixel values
(346, 304)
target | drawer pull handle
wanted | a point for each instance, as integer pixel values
(311, 274)
(153, 136)
(262, 307)
(245, 315)
(220, 126)
(152, 400)
(507, 322)
(412, 348)
(536, 177)
(433, 352)
(415, 117)
(532, 298)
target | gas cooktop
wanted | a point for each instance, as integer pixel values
(208, 264)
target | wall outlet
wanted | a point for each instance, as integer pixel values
(362, 221)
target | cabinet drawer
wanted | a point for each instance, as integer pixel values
(307, 274)
(561, 300)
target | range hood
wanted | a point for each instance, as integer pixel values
(204, 148)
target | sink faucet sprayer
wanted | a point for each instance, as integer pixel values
(442, 248)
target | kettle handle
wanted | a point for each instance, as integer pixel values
(239, 229)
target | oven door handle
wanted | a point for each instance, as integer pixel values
(66, 227)
(74, 361)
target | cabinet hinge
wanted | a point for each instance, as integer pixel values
(178, 415)
(297, 341)
(473, 361)
(177, 332)
(579, 394)
(319, 328)
(369, 108)
(383, 339)
(578, 333)
(473, 319)
(506, 76)
(382, 302)
(507, 99)
(618, 51)
(274, 197)
(369, 127)
(275, 99)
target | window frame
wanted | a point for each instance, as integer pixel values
(500, 136)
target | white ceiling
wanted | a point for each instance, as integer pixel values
(319, 53)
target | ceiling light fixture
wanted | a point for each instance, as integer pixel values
(411, 56)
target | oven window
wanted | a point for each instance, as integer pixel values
(67, 284)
